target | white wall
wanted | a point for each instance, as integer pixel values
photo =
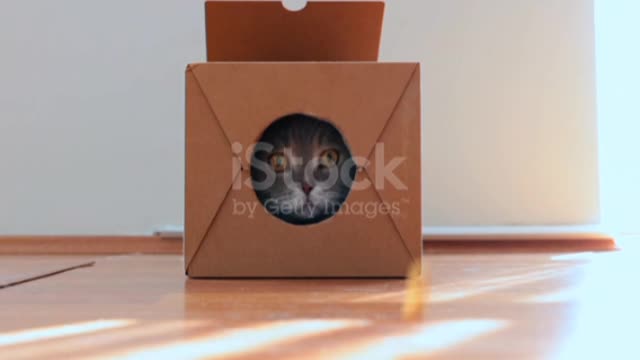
(509, 108)
(91, 111)
(619, 111)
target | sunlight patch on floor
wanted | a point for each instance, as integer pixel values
(425, 340)
(242, 340)
(459, 290)
(91, 343)
(561, 296)
(54, 332)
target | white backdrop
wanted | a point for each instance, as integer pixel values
(91, 111)
(619, 111)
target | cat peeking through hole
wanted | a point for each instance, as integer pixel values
(302, 169)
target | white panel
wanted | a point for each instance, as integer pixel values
(509, 108)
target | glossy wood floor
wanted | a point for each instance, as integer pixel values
(485, 306)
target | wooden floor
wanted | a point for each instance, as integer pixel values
(486, 306)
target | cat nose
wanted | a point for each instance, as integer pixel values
(306, 188)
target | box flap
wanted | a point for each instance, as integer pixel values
(267, 31)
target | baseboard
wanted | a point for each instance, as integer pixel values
(512, 233)
(480, 233)
(519, 238)
(438, 239)
(77, 245)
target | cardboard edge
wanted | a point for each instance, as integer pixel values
(415, 73)
(189, 76)
(395, 107)
(189, 257)
(188, 70)
(189, 260)
(205, 8)
(382, 4)
(196, 77)
(417, 76)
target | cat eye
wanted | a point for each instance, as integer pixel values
(329, 158)
(278, 162)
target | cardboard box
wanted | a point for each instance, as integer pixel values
(261, 70)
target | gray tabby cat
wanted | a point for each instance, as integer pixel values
(302, 169)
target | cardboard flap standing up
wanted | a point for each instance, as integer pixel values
(267, 31)
(229, 104)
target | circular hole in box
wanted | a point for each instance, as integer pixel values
(302, 169)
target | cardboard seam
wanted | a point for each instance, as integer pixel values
(395, 226)
(213, 220)
(226, 136)
(393, 112)
(200, 88)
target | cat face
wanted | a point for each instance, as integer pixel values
(302, 169)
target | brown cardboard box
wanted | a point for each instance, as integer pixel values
(233, 99)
